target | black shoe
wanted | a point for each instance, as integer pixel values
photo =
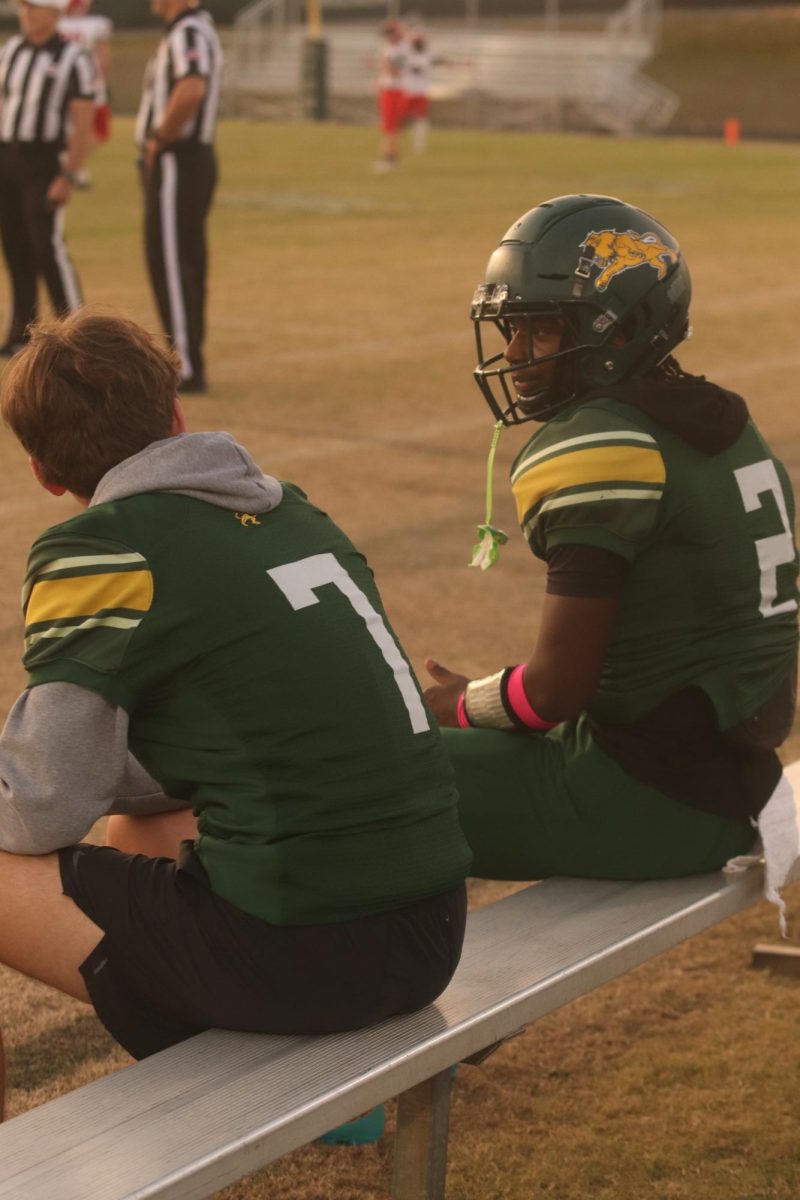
(195, 385)
(9, 349)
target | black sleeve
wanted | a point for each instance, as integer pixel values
(574, 570)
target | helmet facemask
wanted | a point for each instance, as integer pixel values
(496, 321)
(612, 275)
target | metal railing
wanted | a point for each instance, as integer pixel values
(642, 18)
(580, 77)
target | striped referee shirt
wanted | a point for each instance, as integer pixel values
(190, 46)
(37, 84)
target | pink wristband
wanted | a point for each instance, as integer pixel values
(521, 704)
(461, 712)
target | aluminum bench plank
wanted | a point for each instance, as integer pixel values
(198, 1116)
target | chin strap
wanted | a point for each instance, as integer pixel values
(490, 539)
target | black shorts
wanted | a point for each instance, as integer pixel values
(176, 959)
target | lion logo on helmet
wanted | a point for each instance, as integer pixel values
(618, 252)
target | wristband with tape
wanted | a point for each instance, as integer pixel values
(499, 701)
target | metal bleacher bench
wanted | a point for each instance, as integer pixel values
(194, 1118)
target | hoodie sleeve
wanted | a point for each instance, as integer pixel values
(64, 762)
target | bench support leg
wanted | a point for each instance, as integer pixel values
(420, 1150)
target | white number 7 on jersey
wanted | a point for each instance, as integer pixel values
(754, 481)
(298, 580)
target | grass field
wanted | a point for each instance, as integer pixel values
(340, 353)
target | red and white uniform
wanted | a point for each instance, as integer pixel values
(93, 32)
(417, 80)
(391, 91)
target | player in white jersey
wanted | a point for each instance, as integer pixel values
(93, 32)
(391, 94)
(417, 85)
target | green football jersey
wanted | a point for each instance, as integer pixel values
(263, 685)
(710, 598)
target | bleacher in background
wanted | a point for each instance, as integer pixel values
(137, 12)
(131, 13)
(554, 74)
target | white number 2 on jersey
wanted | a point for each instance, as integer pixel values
(298, 581)
(754, 482)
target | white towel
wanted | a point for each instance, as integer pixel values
(779, 831)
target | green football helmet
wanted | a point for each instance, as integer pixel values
(615, 278)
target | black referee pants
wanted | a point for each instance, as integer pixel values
(178, 195)
(32, 236)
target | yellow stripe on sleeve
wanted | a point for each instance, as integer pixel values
(605, 464)
(85, 595)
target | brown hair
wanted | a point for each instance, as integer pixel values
(87, 392)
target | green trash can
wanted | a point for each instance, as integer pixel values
(314, 77)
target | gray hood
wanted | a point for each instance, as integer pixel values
(206, 466)
(67, 723)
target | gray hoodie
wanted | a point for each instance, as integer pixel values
(64, 759)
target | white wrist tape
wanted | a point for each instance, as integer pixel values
(483, 702)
